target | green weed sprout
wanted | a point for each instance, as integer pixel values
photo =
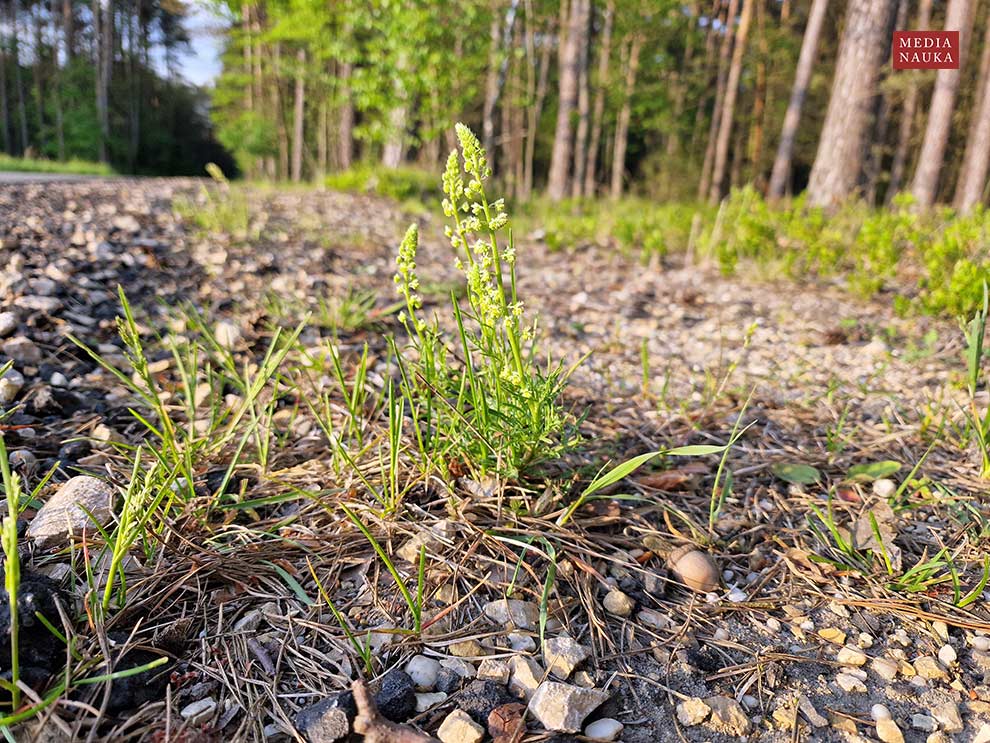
(975, 332)
(12, 568)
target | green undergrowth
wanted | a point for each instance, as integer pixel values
(401, 184)
(934, 262)
(39, 165)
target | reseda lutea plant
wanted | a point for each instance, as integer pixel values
(497, 409)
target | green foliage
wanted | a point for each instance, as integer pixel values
(401, 184)
(498, 410)
(222, 209)
(38, 165)
(935, 262)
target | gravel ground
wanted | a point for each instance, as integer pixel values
(831, 381)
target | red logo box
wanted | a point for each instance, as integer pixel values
(926, 50)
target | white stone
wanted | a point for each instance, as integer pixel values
(521, 643)
(948, 717)
(923, 722)
(884, 488)
(494, 669)
(423, 671)
(65, 513)
(851, 656)
(429, 699)
(561, 655)
(11, 384)
(980, 643)
(562, 708)
(458, 727)
(888, 732)
(728, 716)
(885, 668)
(879, 712)
(521, 614)
(8, 323)
(947, 654)
(227, 334)
(618, 603)
(692, 711)
(198, 711)
(604, 729)
(848, 682)
(525, 676)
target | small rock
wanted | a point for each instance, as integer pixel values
(126, 223)
(562, 707)
(937, 737)
(423, 671)
(507, 722)
(832, 634)
(721, 634)
(888, 732)
(22, 460)
(941, 629)
(199, 711)
(34, 303)
(884, 488)
(811, 714)
(728, 716)
(460, 667)
(8, 323)
(879, 712)
(865, 640)
(428, 700)
(521, 643)
(494, 669)
(948, 717)
(947, 655)
(654, 619)
(22, 350)
(521, 614)
(927, 667)
(923, 722)
(562, 655)
(786, 715)
(466, 649)
(227, 334)
(618, 603)
(525, 676)
(850, 683)
(736, 595)
(458, 727)
(329, 719)
(448, 681)
(885, 668)
(692, 711)
(983, 734)
(410, 550)
(11, 385)
(604, 729)
(850, 656)
(68, 511)
(980, 642)
(396, 697)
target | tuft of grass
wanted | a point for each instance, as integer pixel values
(223, 209)
(979, 423)
(12, 570)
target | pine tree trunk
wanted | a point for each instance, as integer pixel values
(68, 29)
(805, 66)
(569, 62)
(18, 80)
(975, 164)
(598, 114)
(729, 104)
(908, 114)
(491, 83)
(57, 82)
(761, 95)
(931, 158)
(345, 127)
(539, 94)
(622, 123)
(673, 144)
(298, 120)
(281, 129)
(583, 107)
(4, 105)
(863, 49)
(969, 186)
(704, 186)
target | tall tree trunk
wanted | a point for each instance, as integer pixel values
(68, 29)
(864, 48)
(538, 84)
(345, 127)
(491, 82)
(570, 62)
(806, 61)
(134, 85)
(394, 152)
(625, 113)
(673, 144)
(18, 80)
(908, 114)
(57, 19)
(103, 58)
(37, 73)
(729, 104)
(299, 110)
(931, 158)
(704, 186)
(760, 100)
(969, 186)
(598, 113)
(281, 129)
(584, 109)
(4, 106)
(322, 142)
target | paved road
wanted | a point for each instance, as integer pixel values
(17, 177)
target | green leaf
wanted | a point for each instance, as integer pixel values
(619, 471)
(873, 470)
(697, 450)
(799, 474)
